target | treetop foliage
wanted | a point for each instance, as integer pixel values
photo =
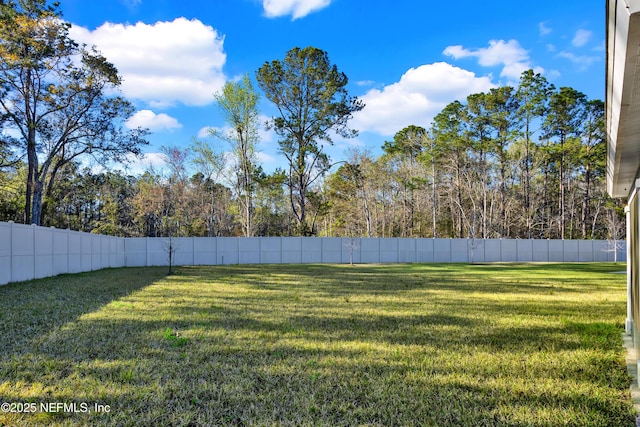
(54, 94)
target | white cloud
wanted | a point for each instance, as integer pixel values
(365, 83)
(498, 52)
(295, 8)
(600, 47)
(582, 61)
(420, 94)
(137, 165)
(147, 160)
(11, 132)
(266, 135)
(205, 132)
(581, 38)
(544, 30)
(162, 63)
(152, 121)
(513, 57)
(553, 75)
(264, 158)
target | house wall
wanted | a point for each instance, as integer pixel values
(633, 266)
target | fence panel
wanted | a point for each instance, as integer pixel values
(228, 248)
(331, 250)
(60, 251)
(22, 252)
(135, 250)
(459, 250)
(6, 241)
(540, 251)
(311, 250)
(206, 251)
(424, 250)
(182, 251)
(369, 250)
(291, 248)
(43, 247)
(28, 252)
(442, 250)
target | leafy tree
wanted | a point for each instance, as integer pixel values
(503, 107)
(403, 155)
(312, 100)
(238, 102)
(176, 198)
(478, 116)
(212, 208)
(592, 157)
(54, 94)
(407, 142)
(351, 191)
(149, 204)
(73, 201)
(92, 202)
(272, 216)
(563, 122)
(450, 131)
(12, 191)
(116, 211)
(210, 165)
(533, 94)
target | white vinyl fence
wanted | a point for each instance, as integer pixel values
(29, 252)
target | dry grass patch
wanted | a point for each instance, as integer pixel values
(436, 345)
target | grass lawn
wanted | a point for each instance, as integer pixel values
(389, 345)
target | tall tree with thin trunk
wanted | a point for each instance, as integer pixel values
(592, 155)
(312, 101)
(564, 121)
(503, 107)
(238, 102)
(209, 164)
(402, 155)
(478, 118)
(450, 131)
(532, 93)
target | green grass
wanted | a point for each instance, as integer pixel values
(434, 345)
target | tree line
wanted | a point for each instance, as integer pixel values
(514, 162)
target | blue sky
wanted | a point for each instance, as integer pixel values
(405, 59)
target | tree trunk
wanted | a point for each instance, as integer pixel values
(36, 203)
(32, 160)
(527, 185)
(585, 201)
(562, 190)
(434, 216)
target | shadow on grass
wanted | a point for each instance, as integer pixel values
(29, 310)
(336, 280)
